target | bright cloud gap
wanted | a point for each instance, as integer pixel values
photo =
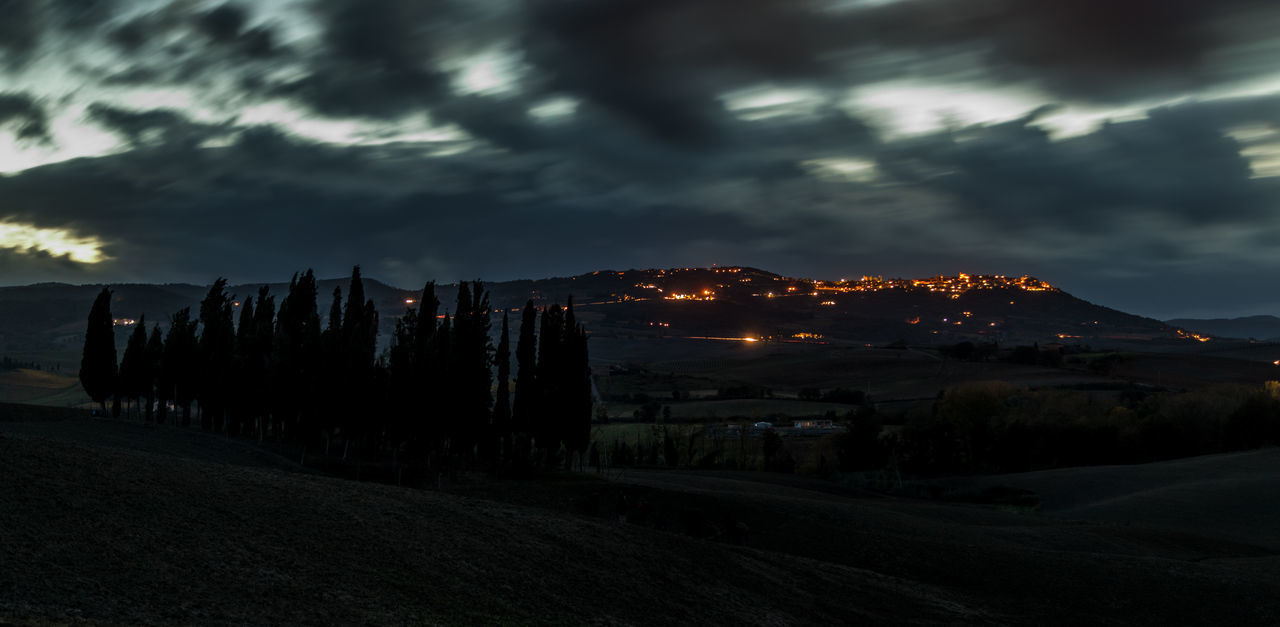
(27, 238)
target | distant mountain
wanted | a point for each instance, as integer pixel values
(1257, 327)
(739, 303)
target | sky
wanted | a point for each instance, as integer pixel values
(1127, 152)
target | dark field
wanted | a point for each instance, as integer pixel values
(109, 522)
(892, 374)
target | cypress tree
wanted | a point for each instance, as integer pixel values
(502, 404)
(459, 426)
(430, 372)
(155, 362)
(546, 433)
(401, 368)
(580, 399)
(134, 376)
(260, 367)
(425, 331)
(359, 345)
(98, 362)
(447, 400)
(332, 334)
(214, 353)
(240, 401)
(367, 409)
(180, 366)
(353, 330)
(473, 377)
(480, 374)
(295, 357)
(333, 372)
(525, 407)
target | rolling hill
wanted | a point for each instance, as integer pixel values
(724, 303)
(105, 522)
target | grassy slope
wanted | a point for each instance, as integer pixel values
(1234, 496)
(40, 388)
(122, 532)
(1032, 569)
(109, 533)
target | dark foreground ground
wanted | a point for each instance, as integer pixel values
(105, 522)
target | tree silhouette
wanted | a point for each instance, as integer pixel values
(471, 359)
(180, 365)
(155, 363)
(135, 376)
(332, 376)
(295, 357)
(98, 363)
(359, 341)
(525, 407)
(428, 375)
(576, 417)
(502, 401)
(428, 399)
(214, 356)
(444, 427)
(546, 431)
(402, 367)
(242, 375)
(260, 354)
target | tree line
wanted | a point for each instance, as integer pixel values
(432, 397)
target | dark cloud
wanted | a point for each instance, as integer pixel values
(1178, 164)
(157, 127)
(25, 24)
(80, 16)
(660, 67)
(276, 202)
(21, 25)
(39, 265)
(265, 203)
(25, 116)
(662, 64)
(376, 59)
(224, 23)
(174, 46)
(227, 26)
(226, 29)
(1097, 49)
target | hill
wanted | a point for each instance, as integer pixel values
(1230, 496)
(1258, 327)
(106, 522)
(45, 322)
(110, 534)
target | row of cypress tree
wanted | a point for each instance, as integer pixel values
(431, 396)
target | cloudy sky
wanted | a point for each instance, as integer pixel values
(1127, 151)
